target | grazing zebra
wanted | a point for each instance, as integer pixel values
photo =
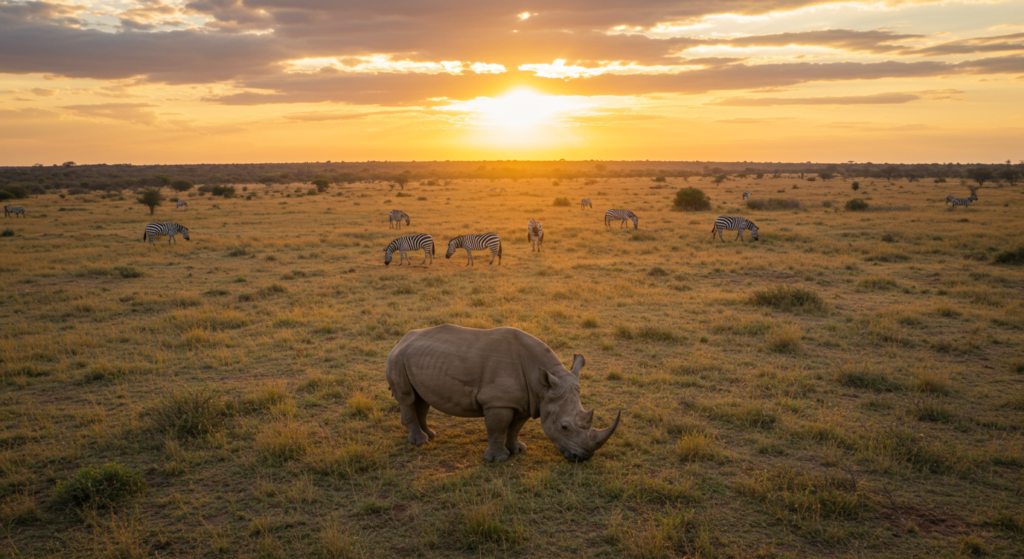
(535, 235)
(965, 202)
(169, 229)
(733, 224)
(9, 210)
(395, 219)
(949, 198)
(747, 195)
(502, 190)
(623, 215)
(585, 203)
(412, 242)
(182, 204)
(476, 242)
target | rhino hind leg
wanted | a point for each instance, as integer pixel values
(409, 418)
(422, 407)
(512, 442)
(498, 421)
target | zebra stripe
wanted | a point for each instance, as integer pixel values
(623, 215)
(12, 210)
(395, 219)
(747, 195)
(169, 229)
(476, 242)
(412, 242)
(535, 235)
(182, 204)
(965, 202)
(585, 203)
(740, 224)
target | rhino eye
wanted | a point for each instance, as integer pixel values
(565, 427)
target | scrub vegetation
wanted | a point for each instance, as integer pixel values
(849, 385)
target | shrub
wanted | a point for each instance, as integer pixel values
(321, 184)
(658, 179)
(100, 487)
(7, 233)
(182, 185)
(773, 204)
(856, 205)
(225, 191)
(788, 298)
(150, 197)
(4, 195)
(691, 199)
(561, 202)
(855, 186)
(1012, 257)
(16, 191)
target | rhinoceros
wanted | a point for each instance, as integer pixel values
(505, 376)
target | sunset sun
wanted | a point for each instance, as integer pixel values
(516, 110)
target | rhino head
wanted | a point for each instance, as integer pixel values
(563, 418)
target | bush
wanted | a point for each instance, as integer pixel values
(659, 179)
(773, 204)
(225, 191)
(182, 185)
(691, 199)
(855, 186)
(7, 233)
(4, 195)
(561, 202)
(321, 184)
(1012, 257)
(856, 205)
(100, 487)
(788, 299)
(129, 271)
(18, 192)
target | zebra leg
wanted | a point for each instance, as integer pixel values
(470, 261)
(739, 235)
(494, 254)
(401, 257)
(425, 258)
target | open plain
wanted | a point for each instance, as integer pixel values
(850, 385)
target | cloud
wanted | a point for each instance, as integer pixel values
(138, 113)
(875, 99)
(319, 116)
(43, 92)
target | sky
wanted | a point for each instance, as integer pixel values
(222, 81)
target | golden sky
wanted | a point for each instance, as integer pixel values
(217, 81)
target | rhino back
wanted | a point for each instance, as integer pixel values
(460, 371)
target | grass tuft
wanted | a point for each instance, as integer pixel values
(1011, 257)
(786, 298)
(189, 413)
(865, 378)
(100, 487)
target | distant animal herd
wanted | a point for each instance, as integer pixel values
(489, 241)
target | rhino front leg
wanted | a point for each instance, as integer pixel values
(512, 442)
(498, 421)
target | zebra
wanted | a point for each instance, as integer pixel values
(395, 219)
(535, 235)
(949, 198)
(733, 224)
(747, 195)
(182, 204)
(965, 202)
(502, 190)
(585, 203)
(11, 210)
(412, 242)
(169, 229)
(623, 215)
(476, 242)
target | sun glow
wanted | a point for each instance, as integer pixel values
(519, 109)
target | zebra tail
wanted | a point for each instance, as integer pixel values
(431, 249)
(499, 252)
(144, 235)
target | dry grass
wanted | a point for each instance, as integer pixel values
(848, 385)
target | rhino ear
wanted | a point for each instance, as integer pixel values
(577, 363)
(548, 380)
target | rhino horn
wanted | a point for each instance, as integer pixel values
(585, 419)
(599, 437)
(577, 363)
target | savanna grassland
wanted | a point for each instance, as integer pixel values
(851, 385)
